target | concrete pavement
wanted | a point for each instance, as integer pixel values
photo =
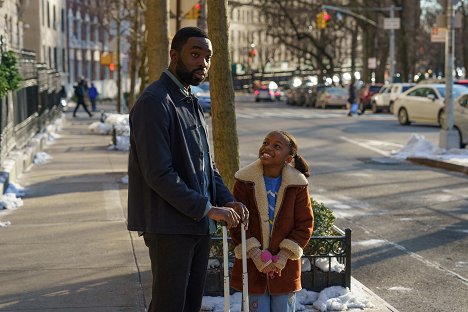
(67, 248)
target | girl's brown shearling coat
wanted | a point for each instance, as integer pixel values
(292, 227)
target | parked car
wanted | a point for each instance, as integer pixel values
(267, 91)
(202, 92)
(384, 100)
(424, 103)
(460, 122)
(332, 96)
(463, 82)
(366, 93)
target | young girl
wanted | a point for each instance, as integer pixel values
(280, 224)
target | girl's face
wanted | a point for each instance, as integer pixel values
(275, 150)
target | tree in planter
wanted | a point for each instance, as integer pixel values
(10, 77)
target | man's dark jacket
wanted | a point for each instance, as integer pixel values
(165, 169)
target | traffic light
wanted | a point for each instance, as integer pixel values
(111, 67)
(197, 10)
(321, 19)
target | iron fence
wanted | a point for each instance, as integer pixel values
(333, 253)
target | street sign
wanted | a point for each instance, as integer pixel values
(372, 62)
(438, 34)
(391, 23)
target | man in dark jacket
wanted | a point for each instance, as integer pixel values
(175, 192)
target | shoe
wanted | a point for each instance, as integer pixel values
(91, 115)
(350, 115)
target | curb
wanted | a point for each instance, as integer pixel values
(438, 164)
(380, 305)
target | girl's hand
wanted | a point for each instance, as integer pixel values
(271, 270)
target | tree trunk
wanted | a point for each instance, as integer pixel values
(226, 145)
(157, 44)
(133, 56)
(119, 69)
(143, 70)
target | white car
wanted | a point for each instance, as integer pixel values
(460, 113)
(384, 100)
(424, 103)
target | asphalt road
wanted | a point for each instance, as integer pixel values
(409, 222)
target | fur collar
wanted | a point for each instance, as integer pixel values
(254, 173)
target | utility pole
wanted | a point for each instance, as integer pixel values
(392, 46)
(448, 137)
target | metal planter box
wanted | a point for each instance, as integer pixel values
(335, 249)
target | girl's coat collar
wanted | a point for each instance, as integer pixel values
(254, 173)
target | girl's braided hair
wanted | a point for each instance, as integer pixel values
(299, 162)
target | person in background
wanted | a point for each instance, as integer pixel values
(81, 92)
(175, 192)
(351, 102)
(274, 189)
(93, 94)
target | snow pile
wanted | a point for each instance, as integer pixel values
(329, 264)
(11, 200)
(4, 224)
(416, 146)
(323, 264)
(419, 146)
(333, 298)
(117, 123)
(100, 128)
(16, 189)
(337, 298)
(41, 158)
(124, 179)
(216, 304)
(213, 263)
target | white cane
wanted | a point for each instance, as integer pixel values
(227, 304)
(245, 276)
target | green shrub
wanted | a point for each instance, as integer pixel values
(323, 219)
(10, 77)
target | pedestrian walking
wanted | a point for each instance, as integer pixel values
(175, 192)
(280, 225)
(81, 93)
(93, 94)
(351, 104)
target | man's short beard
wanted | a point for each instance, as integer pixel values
(185, 75)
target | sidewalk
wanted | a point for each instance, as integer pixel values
(67, 248)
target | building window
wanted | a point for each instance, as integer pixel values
(42, 12)
(48, 15)
(50, 57)
(63, 20)
(63, 60)
(55, 58)
(54, 19)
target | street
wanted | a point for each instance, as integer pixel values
(409, 222)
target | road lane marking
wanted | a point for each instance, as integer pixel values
(376, 146)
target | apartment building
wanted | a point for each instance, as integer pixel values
(44, 25)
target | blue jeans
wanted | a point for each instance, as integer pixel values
(272, 303)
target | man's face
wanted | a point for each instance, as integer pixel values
(193, 61)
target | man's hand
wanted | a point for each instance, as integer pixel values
(241, 211)
(226, 214)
